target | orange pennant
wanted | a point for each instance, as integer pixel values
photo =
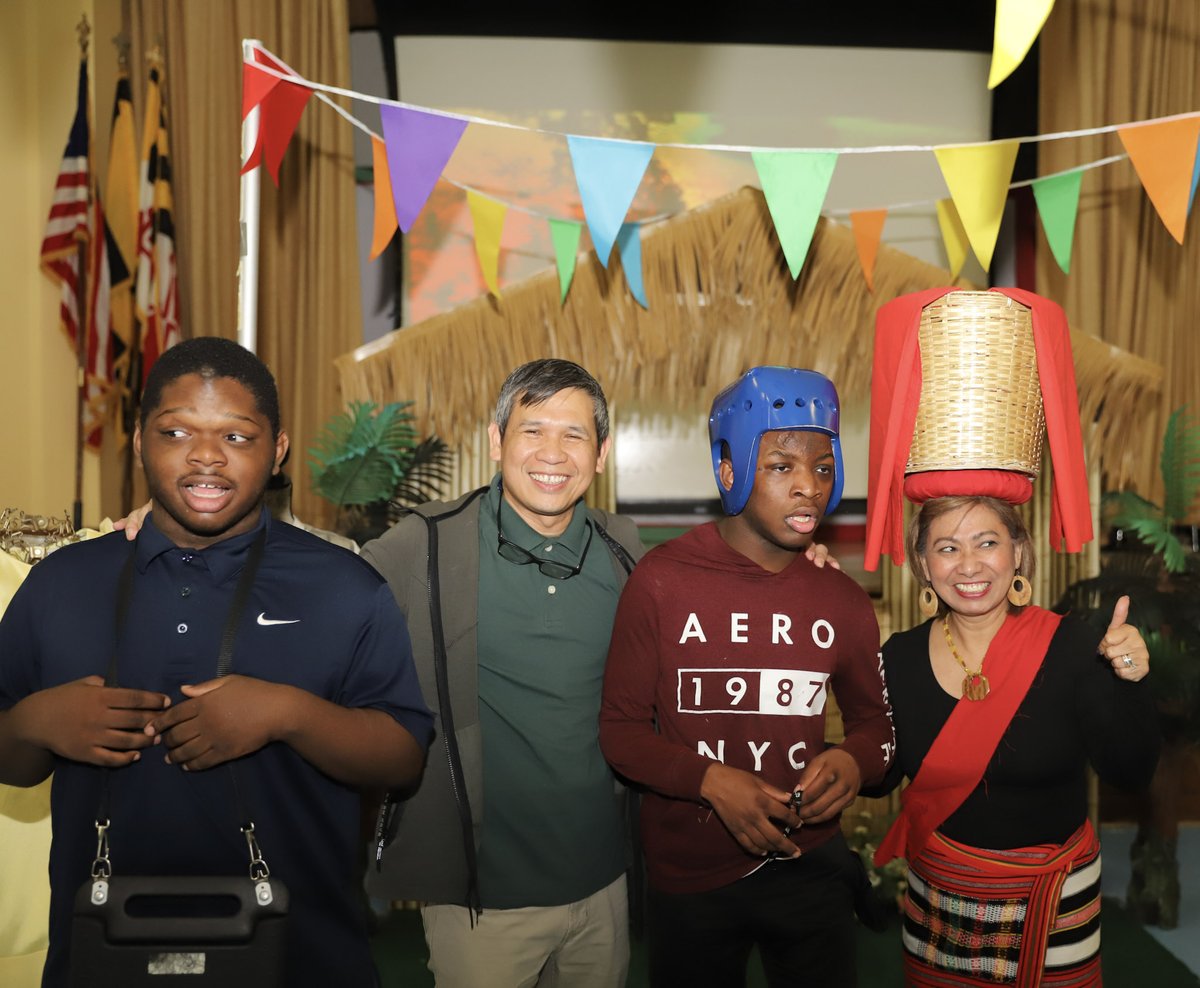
(385, 207)
(1163, 155)
(867, 225)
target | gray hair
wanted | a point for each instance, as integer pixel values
(540, 380)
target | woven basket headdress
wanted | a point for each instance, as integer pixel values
(965, 385)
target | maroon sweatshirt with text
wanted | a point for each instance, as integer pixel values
(713, 656)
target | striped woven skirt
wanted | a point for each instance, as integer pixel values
(1027, 916)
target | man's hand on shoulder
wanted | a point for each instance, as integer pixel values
(220, 720)
(751, 809)
(830, 782)
(819, 554)
(132, 523)
(89, 722)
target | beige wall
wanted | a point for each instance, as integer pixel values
(38, 62)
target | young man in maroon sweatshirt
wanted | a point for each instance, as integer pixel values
(725, 646)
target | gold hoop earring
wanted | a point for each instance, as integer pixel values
(1020, 592)
(927, 601)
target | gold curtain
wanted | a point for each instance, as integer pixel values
(309, 310)
(1106, 62)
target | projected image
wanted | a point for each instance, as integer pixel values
(532, 172)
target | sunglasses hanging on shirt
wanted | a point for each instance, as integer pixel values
(523, 557)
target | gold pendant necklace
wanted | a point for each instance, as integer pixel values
(975, 685)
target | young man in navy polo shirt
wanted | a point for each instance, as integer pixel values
(322, 700)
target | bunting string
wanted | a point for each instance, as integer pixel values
(1061, 135)
(418, 143)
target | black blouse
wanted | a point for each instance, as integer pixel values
(1034, 790)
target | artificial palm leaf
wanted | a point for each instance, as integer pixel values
(424, 474)
(1180, 465)
(358, 458)
(1155, 526)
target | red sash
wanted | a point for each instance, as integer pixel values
(959, 755)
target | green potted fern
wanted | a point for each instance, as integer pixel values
(1161, 573)
(370, 462)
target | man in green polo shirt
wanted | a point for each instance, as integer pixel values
(516, 838)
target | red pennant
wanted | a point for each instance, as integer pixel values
(281, 113)
(265, 59)
(254, 158)
(281, 104)
(256, 86)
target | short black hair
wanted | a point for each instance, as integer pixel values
(210, 357)
(540, 380)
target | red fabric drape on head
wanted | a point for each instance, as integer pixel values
(896, 395)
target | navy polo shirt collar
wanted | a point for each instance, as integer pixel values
(224, 559)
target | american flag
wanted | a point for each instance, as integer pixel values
(68, 222)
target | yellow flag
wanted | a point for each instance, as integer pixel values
(978, 180)
(488, 217)
(1018, 23)
(953, 235)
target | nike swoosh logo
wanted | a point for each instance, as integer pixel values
(266, 621)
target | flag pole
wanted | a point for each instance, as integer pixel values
(247, 316)
(81, 324)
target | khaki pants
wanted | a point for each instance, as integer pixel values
(584, 944)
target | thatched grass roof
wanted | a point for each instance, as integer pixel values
(721, 300)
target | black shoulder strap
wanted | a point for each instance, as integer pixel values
(241, 595)
(618, 550)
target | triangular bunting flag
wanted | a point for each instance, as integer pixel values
(418, 146)
(1018, 23)
(385, 207)
(794, 184)
(608, 174)
(629, 242)
(1164, 156)
(953, 236)
(256, 86)
(867, 225)
(565, 234)
(281, 112)
(280, 109)
(488, 217)
(1057, 200)
(978, 178)
(1195, 180)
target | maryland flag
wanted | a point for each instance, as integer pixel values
(73, 217)
(121, 244)
(157, 290)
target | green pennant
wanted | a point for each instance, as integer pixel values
(795, 183)
(565, 234)
(1058, 201)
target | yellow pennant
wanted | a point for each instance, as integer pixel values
(1018, 23)
(953, 236)
(488, 217)
(978, 178)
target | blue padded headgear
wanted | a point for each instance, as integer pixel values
(762, 400)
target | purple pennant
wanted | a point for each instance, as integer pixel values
(418, 146)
